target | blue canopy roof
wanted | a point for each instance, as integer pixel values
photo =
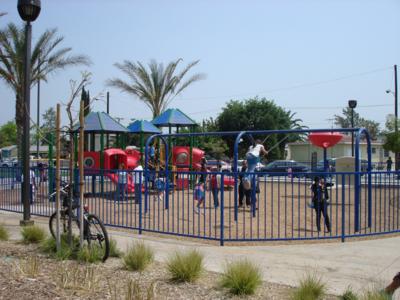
(143, 126)
(101, 122)
(173, 117)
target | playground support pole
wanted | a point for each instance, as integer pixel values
(58, 121)
(81, 175)
(75, 148)
(141, 148)
(191, 177)
(221, 241)
(102, 162)
(51, 177)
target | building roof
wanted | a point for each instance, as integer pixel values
(100, 122)
(8, 148)
(143, 126)
(173, 117)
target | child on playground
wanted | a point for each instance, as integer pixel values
(122, 181)
(253, 155)
(201, 186)
(320, 202)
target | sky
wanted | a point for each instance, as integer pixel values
(308, 56)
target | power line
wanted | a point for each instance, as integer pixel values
(309, 84)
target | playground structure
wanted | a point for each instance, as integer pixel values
(360, 205)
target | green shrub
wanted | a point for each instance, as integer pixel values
(114, 251)
(185, 267)
(349, 295)
(65, 252)
(311, 288)
(33, 234)
(241, 278)
(4, 234)
(138, 257)
(91, 254)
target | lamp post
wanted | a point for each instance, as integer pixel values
(38, 112)
(28, 10)
(352, 105)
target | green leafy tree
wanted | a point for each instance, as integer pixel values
(157, 86)
(344, 121)
(47, 58)
(259, 114)
(48, 126)
(392, 142)
(8, 134)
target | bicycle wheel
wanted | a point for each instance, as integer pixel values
(63, 225)
(96, 231)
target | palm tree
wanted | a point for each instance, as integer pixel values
(157, 86)
(47, 58)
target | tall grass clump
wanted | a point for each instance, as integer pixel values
(311, 288)
(76, 277)
(91, 254)
(65, 252)
(138, 257)
(185, 266)
(349, 295)
(376, 295)
(114, 251)
(241, 277)
(33, 234)
(4, 234)
(29, 266)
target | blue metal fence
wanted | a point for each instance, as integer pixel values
(280, 206)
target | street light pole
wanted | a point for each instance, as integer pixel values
(28, 10)
(26, 127)
(38, 112)
(352, 105)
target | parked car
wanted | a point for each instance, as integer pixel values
(9, 163)
(213, 164)
(240, 163)
(283, 166)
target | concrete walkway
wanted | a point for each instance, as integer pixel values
(359, 264)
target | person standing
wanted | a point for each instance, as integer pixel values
(320, 202)
(253, 155)
(389, 163)
(201, 185)
(138, 179)
(216, 185)
(242, 191)
(122, 180)
(32, 185)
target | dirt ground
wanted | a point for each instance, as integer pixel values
(55, 279)
(283, 211)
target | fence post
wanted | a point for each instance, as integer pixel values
(343, 207)
(140, 199)
(221, 241)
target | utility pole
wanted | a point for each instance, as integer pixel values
(395, 114)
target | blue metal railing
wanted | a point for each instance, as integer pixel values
(280, 206)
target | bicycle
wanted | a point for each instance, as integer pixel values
(93, 229)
